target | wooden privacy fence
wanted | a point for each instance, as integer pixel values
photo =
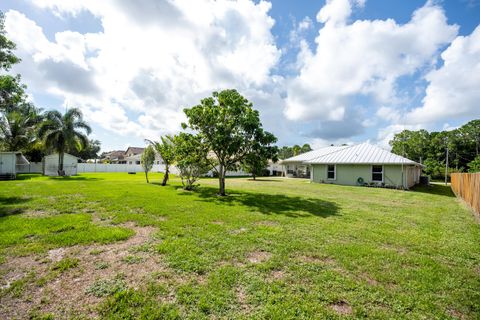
(467, 187)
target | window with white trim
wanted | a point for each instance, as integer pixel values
(377, 173)
(331, 172)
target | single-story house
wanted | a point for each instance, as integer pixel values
(11, 162)
(296, 167)
(50, 164)
(275, 168)
(365, 164)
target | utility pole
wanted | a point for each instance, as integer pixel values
(446, 167)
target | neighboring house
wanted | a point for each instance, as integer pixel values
(137, 159)
(365, 164)
(275, 168)
(296, 167)
(116, 156)
(133, 151)
(124, 157)
(11, 162)
(50, 165)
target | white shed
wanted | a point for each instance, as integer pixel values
(9, 162)
(50, 164)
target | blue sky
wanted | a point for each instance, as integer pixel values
(319, 72)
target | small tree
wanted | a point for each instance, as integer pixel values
(190, 158)
(254, 165)
(148, 158)
(257, 161)
(474, 166)
(229, 127)
(165, 149)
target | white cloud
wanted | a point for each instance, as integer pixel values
(152, 58)
(362, 58)
(454, 88)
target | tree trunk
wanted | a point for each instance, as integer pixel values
(146, 176)
(60, 163)
(254, 177)
(165, 177)
(221, 180)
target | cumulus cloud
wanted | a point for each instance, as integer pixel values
(362, 58)
(151, 59)
(453, 90)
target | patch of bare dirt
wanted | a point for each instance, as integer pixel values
(456, 314)
(37, 213)
(63, 293)
(56, 254)
(238, 231)
(342, 308)
(317, 259)
(258, 256)
(242, 299)
(217, 222)
(278, 274)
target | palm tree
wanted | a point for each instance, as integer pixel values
(60, 133)
(18, 125)
(165, 148)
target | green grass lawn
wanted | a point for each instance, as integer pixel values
(111, 246)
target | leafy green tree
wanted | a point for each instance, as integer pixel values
(148, 159)
(7, 57)
(434, 168)
(285, 152)
(411, 144)
(230, 128)
(296, 150)
(255, 165)
(165, 149)
(474, 166)
(90, 151)
(306, 148)
(64, 132)
(12, 93)
(190, 158)
(256, 161)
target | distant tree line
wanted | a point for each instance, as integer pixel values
(26, 128)
(286, 152)
(430, 148)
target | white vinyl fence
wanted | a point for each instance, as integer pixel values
(109, 167)
(32, 167)
(37, 167)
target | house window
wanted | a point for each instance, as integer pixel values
(377, 173)
(137, 162)
(331, 172)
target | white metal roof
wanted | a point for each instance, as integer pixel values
(364, 153)
(313, 154)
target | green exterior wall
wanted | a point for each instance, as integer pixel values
(347, 174)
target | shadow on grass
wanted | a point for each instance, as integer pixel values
(28, 176)
(262, 180)
(75, 178)
(437, 189)
(290, 206)
(7, 202)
